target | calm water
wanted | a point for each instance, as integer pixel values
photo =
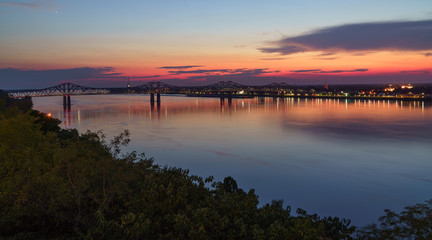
(340, 158)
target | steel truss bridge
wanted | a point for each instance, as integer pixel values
(150, 87)
(58, 90)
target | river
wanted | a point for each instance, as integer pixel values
(345, 158)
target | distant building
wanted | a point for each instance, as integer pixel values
(128, 84)
(326, 85)
(408, 86)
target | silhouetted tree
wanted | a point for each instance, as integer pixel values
(415, 222)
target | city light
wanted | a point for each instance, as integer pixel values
(408, 86)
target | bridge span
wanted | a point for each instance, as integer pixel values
(222, 87)
(58, 90)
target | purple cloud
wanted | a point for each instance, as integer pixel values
(346, 71)
(150, 76)
(326, 54)
(306, 70)
(284, 50)
(200, 71)
(334, 71)
(180, 67)
(224, 71)
(402, 36)
(417, 71)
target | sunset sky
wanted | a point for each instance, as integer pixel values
(198, 42)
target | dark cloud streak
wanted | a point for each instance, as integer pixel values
(223, 71)
(180, 67)
(415, 72)
(150, 76)
(333, 71)
(306, 70)
(346, 71)
(200, 71)
(400, 36)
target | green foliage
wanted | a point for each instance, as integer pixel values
(8, 104)
(26, 176)
(58, 183)
(48, 124)
(415, 222)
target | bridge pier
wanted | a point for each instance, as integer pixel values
(67, 102)
(152, 98)
(64, 102)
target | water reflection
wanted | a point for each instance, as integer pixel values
(350, 158)
(324, 112)
(362, 119)
(67, 118)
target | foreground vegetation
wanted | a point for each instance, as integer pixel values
(57, 183)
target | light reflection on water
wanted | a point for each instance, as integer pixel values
(346, 158)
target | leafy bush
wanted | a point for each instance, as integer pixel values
(415, 222)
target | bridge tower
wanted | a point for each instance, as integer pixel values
(155, 89)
